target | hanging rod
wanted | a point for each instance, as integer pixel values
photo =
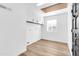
(34, 23)
(4, 7)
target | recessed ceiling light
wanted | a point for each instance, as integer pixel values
(39, 4)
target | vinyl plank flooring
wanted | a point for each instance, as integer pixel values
(47, 48)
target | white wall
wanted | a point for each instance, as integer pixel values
(60, 34)
(13, 27)
(33, 31)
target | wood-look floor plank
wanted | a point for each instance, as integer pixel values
(47, 48)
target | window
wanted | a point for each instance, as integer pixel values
(51, 25)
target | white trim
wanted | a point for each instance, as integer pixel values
(43, 5)
(47, 39)
(32, 42)
(56, 40)
(69, 28)
(21, 52)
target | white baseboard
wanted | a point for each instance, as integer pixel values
(21, 52)
(32, 42)
(56, 40)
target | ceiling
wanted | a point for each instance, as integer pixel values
(43, 5)
(46, 5)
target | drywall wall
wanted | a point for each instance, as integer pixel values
(13, 29)
(60, 34)
(33, 31)
(12, 33)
